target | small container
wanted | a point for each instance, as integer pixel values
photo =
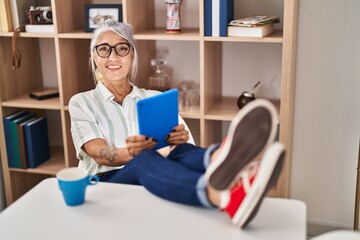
(184, 95)
(247, 97)
(160, 79)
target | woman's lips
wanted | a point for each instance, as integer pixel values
(114, 67)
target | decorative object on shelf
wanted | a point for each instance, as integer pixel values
(160, 80)
(246, 96)
(44, 93)
(189, 95)
(96, 14)
(173, 22)
(217, 15)
(40, 15)
(40, 19)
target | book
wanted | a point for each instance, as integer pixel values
(8, 136)
(257, 31)
(253, 21)
(15, 138)
(37, 142)
(44, 93)
(18, 11)
(222, 13)
(207, 17)
(5, 16)
(22, 144)
(226, 15)
(44, 28)
(215, 18)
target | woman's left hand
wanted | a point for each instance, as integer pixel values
(179, 135)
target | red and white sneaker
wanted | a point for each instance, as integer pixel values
(243, 200)
(250, 132)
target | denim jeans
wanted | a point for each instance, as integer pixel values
(179, 177)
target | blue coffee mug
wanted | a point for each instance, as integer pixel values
(73, 182)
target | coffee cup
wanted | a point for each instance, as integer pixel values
(73, 182)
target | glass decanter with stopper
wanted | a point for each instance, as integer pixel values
(160, 79)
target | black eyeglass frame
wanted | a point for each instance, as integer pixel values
(111, 48)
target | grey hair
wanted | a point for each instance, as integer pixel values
(125, 31)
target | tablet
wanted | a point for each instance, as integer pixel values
(158, 115)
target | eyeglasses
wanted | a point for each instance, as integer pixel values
(104, 50)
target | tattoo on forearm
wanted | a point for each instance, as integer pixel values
(110, 154)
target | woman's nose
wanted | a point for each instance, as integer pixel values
(113, 54)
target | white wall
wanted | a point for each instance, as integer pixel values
(327, 110)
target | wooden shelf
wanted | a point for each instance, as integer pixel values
(78, 34)
(187, 34)
(50, 167)
(24, 101)
(28, 35)
(225, 109)
(276, 37)
(191, 113)
(71, 52)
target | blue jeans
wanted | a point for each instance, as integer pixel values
(179, 177)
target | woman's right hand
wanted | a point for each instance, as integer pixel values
(136, 144)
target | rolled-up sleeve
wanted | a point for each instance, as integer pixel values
(83, 124)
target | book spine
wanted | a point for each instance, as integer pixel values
(29, 146)
(15, 138)
(15, 144)
(215, 19)
(207, 17)
(8, 141)
(22, 148)
(226, 15)
(37, 142)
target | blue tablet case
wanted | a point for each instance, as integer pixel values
(158, 115)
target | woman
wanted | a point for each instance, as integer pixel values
(103, 126)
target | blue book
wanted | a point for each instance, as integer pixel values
(16, 161)
(207, 17)
(222, 13)
(22, 144)
(37, 142)
(226, 15)
(8, 136)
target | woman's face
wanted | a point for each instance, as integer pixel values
(113, 67)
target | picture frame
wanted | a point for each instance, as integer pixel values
(96, 14)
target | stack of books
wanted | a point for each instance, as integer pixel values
(253, 26)
(217, 15)
(26, 138)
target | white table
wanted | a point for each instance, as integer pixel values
(117, 211)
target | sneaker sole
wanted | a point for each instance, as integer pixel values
(250, 132)
(265, 179)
